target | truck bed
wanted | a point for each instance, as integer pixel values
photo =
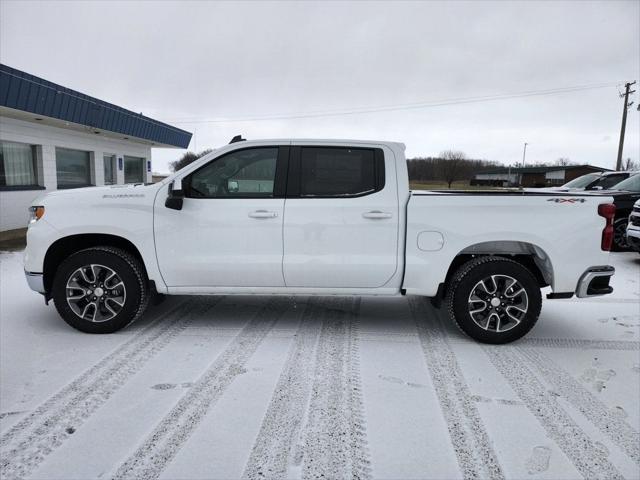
(444, 224)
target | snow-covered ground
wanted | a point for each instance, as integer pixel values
(258, 387)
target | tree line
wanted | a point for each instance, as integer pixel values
(450, 166)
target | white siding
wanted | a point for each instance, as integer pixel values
(14, 204)
(497, 176)
(555, 175)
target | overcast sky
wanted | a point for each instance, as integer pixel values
(199, 61)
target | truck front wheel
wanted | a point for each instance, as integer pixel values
(494, 299)
(100, 289)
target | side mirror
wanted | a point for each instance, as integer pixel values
(175, 196)
(597, 187)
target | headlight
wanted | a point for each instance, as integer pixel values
(35, 214)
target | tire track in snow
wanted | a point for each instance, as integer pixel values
(282, 423)
(362, 459)
(25, 445)
(588, 459)
(161, 446)
(609, 423)
(469, 437)
(335, 433)
(579, 344)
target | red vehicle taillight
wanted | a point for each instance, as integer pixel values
(608, 211)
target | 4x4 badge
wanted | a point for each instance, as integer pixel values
(567, 200)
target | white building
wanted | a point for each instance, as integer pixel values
(52, 138)
(539, 176)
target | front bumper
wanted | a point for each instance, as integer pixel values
(633, 237)
(35, 281)
(595, 281)
(634, 243)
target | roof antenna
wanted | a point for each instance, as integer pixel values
(237, 138)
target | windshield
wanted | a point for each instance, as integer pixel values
(631, 184)
(583, 181)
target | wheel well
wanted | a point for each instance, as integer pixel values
(529, 256)
(67, 246)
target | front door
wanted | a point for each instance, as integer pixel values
(229, 231)
(341, 218)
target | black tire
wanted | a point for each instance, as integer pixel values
(134, 292)
(496, 269)
(620, 235)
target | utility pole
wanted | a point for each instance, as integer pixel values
(524, 155)
(625, 107)
(195, 140)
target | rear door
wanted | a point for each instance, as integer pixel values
(341, 217)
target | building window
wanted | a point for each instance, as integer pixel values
(18, 167)
(109, 169)
(73, 168)
(134, 170)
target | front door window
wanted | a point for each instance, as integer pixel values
(248, 173)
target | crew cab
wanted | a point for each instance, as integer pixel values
(316, 217)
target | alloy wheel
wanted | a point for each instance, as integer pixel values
(95, 293)
(498, 303)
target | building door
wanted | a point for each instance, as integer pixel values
(109, 169)
(134, 170)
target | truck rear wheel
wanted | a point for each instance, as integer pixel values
(100, 289)
(494, 299)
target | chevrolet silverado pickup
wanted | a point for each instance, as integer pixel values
(316, 217)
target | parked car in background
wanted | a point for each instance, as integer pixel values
(624, 194)
(633, 228)
(594, 181)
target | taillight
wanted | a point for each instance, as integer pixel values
(608, 211)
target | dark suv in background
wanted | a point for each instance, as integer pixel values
(594, 181)
(625, 194)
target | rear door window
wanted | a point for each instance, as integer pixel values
(339, 172)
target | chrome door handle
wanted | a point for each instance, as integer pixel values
(376, 214)
(263, 214)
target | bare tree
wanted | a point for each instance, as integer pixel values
(631, 165)
(452, 168)
(186, 159)
(563, 162)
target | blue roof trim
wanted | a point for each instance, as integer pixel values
(22, 91)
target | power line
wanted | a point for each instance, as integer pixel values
(398, 107)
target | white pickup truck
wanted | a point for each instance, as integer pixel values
(315, 217)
